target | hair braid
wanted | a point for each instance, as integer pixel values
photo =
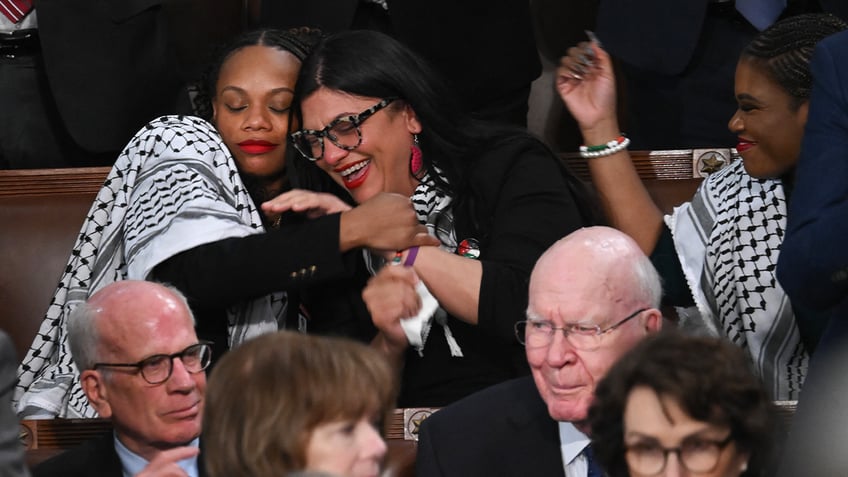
(786, 47)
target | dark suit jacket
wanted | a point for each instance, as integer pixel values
(504, 430)
(94, 458)
(813, 266)
(11, 452)
(662, 35)
(112, 66)
(486, 48)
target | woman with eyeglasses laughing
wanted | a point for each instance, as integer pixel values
(376, 119)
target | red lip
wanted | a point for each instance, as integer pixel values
(252, 146)
(743, 145)
(357, 178)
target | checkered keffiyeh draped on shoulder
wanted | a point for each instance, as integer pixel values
(174, 187)
(728, 240)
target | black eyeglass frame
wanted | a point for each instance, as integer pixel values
(720, 445)
(568, 329)
(320, 134)
(139, 365)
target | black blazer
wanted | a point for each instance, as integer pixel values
(504, 430)
(94, 458)
(486, 48)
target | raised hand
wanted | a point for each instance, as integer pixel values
(586, 84)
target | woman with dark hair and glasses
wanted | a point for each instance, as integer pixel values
(376, 119)
(682, 405)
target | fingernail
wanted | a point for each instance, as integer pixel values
(593, 38)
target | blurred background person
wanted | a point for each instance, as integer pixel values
(78, 78)
(469, 42)
(682, 405)
(302, 403)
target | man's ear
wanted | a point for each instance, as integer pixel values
(97, 390)
(652, 320)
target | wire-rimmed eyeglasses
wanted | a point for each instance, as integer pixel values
(157, 369)
(697, 455)
(586, 337)
(343, 131)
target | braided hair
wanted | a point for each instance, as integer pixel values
(785, 48)
(297, 41)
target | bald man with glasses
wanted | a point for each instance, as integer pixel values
(142, 366)
(593, 296)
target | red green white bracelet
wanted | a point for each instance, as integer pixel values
(411, 253)
(616, 145)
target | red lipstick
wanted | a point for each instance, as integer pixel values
(252, 146)
(743, 145)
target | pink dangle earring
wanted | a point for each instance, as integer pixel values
(416, 163)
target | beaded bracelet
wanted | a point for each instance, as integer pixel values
(616, 145)
(412, 252)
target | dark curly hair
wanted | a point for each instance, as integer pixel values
(785, 48)
(709, 378)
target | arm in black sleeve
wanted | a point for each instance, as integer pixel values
(676, 291)
(229, 271)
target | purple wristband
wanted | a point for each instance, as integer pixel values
(410, 256)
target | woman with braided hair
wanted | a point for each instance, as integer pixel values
(725, 242)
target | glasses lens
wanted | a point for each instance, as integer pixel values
(156, 369)
(646, 460)
(196, 358)
(584, 338)
(538, 334)
(700, 456)
(345, 134)
(310, 145)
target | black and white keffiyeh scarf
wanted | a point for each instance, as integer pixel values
(728, 240)
(174, 187)
(433, 209)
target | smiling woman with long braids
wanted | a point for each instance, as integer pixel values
(719, 251)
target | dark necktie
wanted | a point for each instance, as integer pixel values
(761, 13)
(594, 470)
(15, 10)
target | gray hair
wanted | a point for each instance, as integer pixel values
(84, 335)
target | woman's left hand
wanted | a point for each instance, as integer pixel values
(313, 204)
(390, 296)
